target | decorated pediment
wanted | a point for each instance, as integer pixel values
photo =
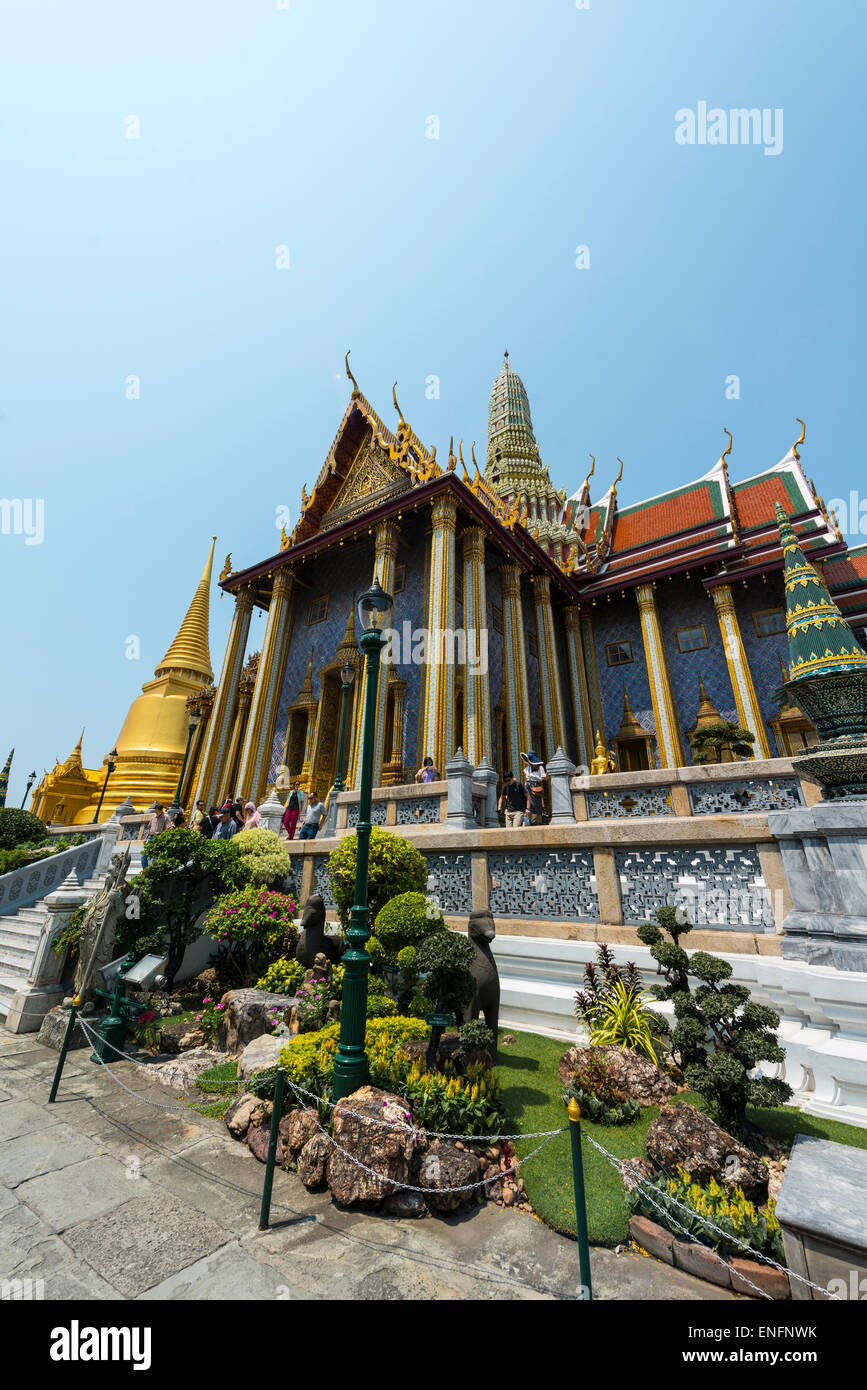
(373, 475)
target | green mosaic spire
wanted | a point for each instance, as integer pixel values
(4, 779)
(821, 643)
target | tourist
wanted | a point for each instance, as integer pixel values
(293, 810)
(237, 810)
(179, 820)
(159, 821)
(252, 818)
(427, 772)
(513, 801)
(536, 803)
(197, 817)
(227, 826)
(209, 823)
(313, 818)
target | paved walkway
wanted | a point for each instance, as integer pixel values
(104, 1197)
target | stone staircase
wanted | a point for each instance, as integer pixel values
(20, 931)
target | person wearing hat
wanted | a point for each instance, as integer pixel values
(227, 826)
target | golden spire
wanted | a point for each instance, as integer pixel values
(616, 480)
(801, 440)
(190, 650)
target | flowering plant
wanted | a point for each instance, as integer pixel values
(210, 1019)
(147, 1031)
(253, 927)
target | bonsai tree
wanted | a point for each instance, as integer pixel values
(707, 744)
(395, 867)
(720, 1034)
(19, 827)
(185, 873)
(399, 929)
(444, 959)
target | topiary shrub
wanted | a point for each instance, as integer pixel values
(395, 867)
(405, 920)
(19, 827)
(264, 859)
(380, 1006)
(283, 977)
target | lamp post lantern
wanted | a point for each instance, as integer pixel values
(31, 778)
(112, 764)
(350, 1062)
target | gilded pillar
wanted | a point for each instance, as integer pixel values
(597, 713)
(385, 557)
(477, 695)
(578, 685)
(664, 713)
(749, 712)
(514, 668)
(256, 751)
(549, 667)
(438, 733)
(246, 686)
(220, 723)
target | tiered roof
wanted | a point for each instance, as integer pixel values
(821, 643)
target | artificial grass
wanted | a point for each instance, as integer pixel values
(533, 1095)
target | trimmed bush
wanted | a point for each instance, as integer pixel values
(395, 867)
(405, 920)
(264, 859)
(18, 827)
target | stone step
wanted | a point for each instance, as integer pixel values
(9, 987)
(21, 931)
(16, 958)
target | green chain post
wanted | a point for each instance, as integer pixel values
(580, 1206)
(67, 1039)
(265, 1213)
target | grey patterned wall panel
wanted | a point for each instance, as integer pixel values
(638, 801)
(717, 887)
(419, 810)
(554, 884)
(450, 881)
(746, 794)
(377, 814)
(33, 881)
(322, 883)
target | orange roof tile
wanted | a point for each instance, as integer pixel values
(666, 516)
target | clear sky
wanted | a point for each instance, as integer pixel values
(305, 125)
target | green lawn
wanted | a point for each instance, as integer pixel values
(533, 1093)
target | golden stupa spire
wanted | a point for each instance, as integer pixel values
(190, 650)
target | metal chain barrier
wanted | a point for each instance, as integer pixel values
(620, 1163)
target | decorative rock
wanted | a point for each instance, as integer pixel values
(638, 1077)
(258, 1139)
(189, 1040)
(388, 1151)
(182, 1071)
(444, 1166)
(405, 1204)
(53, 1030)
(259, 1055)
(774, 1282)
(683, 1136)
(701, 1261)
(314, 1160)
(243, 1112)
(296, 1128)
(247, 1014)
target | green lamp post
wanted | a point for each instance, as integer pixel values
(347, 676)
(31, 778)
(350, 1062)
(111, 765)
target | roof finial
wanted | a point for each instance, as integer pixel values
(396, 406)
(801, 440)
(473, 455)
(619, 476)
(355, 390)
(728, 449)
(506, 358)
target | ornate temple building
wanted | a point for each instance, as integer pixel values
(579, 622)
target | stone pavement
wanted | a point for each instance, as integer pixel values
(104, 1196)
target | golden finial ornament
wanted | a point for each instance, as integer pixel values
(227, 567)
(620, 474)
(284, 539)
(728, 448)
(355, 391)
(401, 421)
(800, 440)
(305, 500)
(592, 470)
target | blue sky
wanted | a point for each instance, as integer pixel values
(305, 127)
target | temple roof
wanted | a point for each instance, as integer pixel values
(190, 650)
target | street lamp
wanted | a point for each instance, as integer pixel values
(350, 1062)
(31, 778)
(112, 764)
(347, 676)
(195, 720)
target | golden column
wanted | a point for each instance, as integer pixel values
(515, 668)
(246, 686)
(578, 684)
(384, 562)
(256, 754)
(667, 729)
(477, 697)
(749, 712)
(549, 667)
(438, 735)
(597, 713)
(220, 723)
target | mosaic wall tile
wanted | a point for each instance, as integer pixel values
(450, 882)
(638, 801)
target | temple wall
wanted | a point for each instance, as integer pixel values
(763, 653)
(685, 603)
(618, 621)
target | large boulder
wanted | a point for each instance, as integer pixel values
(259, 1055)
(443, 1168)
(685, 1137)
(182, 1071)
(314, 1159)
(244, 1111)
(389, 1152)
(296, 1128)
(52, 1030)
(247, 1014)
(638, 1077)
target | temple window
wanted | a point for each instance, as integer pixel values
(619, 653)
(318, 610)
(691, 639)
(400, 579)
(769, 620)
(496, 618)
